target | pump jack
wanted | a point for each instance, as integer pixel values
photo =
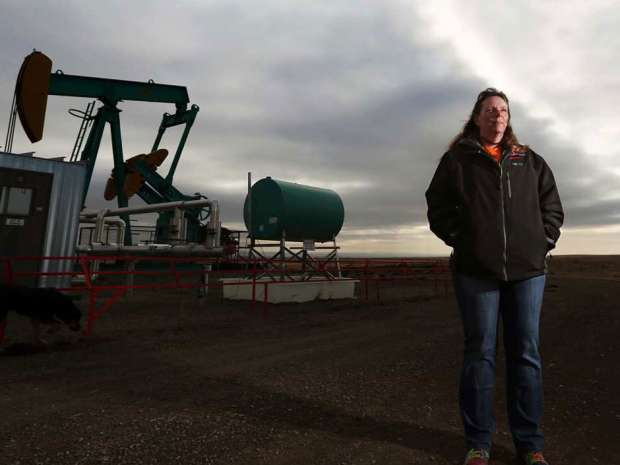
(136, 175)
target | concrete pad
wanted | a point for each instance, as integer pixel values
(290, 291)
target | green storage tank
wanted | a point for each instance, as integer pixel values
(302, 212)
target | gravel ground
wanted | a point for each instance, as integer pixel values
(168, 378)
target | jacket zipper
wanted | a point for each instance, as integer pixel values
(501, 193)
(509, 189)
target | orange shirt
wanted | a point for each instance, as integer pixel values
(494, 150)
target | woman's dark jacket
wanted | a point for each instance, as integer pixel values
(501, 218)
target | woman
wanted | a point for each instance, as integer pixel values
(496, 203)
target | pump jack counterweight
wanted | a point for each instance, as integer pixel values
(36, 82)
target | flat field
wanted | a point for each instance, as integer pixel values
(168, 378)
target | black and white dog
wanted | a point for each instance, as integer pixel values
(44, 306)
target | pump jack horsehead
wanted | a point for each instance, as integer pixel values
(137, 175)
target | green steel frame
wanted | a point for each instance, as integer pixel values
(111, 91)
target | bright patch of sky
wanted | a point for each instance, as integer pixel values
(558, 59)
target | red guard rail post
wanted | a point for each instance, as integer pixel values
(92, 297)
(266, 300)
(253, 283)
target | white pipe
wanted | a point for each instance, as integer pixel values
(177, 226)
(99, 225)
(197, 250)
(118, 222)
(251, 232)
(156, 207)
(215, 226)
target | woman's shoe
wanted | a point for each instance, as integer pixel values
(533, 458)
(477, 457)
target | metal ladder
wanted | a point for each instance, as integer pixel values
(87, 119)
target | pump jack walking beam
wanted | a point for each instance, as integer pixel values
(35, 82)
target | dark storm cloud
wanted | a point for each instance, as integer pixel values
(395, 121)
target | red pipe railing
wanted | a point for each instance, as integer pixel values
(366, 270)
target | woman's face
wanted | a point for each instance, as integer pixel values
(492, 119)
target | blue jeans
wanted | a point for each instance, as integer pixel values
(481, 302)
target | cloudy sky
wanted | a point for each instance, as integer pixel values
(360, 96)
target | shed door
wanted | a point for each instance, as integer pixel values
(24, 204)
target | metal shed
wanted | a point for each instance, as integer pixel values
(40, 203)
